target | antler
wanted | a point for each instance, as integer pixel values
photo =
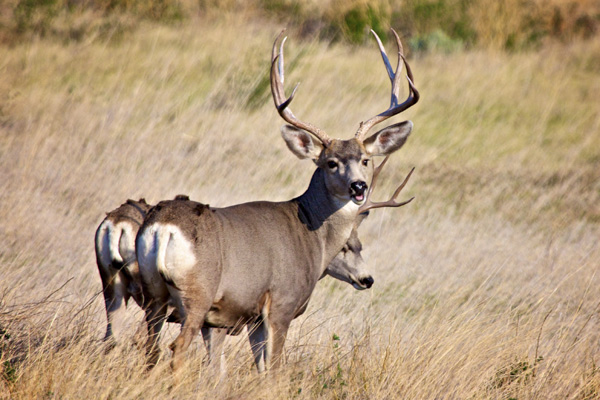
(395, 108)
(368, 204)
(281, 103)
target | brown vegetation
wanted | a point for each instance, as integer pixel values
(486, 285)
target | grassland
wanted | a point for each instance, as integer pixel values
(485, 285)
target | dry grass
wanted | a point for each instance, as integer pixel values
(485, 285)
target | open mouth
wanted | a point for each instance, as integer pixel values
(358, 198)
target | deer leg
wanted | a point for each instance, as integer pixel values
(277, 334)
(156, 314)
(109, 302)
(258, 338)
(114, 291)
(133, 282)
(214, 339)
(192, 315)
(189, 330)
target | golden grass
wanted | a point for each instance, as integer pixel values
(485, 285)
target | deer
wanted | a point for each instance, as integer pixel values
(342, 268)
(116, 260)
(257, 263)
(119, 272)
(347, 266)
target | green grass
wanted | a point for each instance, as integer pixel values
(431, 25)
(485, 285)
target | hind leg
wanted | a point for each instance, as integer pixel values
(193, 305)
(156, 314)
(192, 322)
(189, 330)
(115, 297)
(131, 275)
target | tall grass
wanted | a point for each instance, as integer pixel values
(485, 285)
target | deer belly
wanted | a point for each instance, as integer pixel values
(231, 314)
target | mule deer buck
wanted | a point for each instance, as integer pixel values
(347, 266)
(257, 263)
(117, 265)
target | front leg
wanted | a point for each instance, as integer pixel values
(214, 339)
(258, 338)
(277, 331)
(267, 337)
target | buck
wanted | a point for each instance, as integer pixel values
(257, 263)
(347, 266)
(119, 272)
(115, 256)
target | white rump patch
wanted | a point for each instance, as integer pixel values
(164, 250)
(115, 243)
(103, 244)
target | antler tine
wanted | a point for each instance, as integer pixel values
(394, 76)
(376, 172)
(395, 108)
(369, 205)
(281, 103)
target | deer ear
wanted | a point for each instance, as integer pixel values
(301, 143)
(389, 139)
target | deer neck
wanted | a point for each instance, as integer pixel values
(329, 218)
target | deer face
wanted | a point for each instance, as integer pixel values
(346, 167)
(346, 164)
(349, 266)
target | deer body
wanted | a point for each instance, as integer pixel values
(347, 266)
(115, 256)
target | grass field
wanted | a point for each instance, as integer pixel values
(485, 285)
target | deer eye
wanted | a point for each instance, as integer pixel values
(365, 162)
(332, 164)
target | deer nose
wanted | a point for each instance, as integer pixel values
(358, 187)
(368, 281)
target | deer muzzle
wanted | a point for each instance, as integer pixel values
(363, 283)
(357, 191)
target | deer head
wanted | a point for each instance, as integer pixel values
(345, 164)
